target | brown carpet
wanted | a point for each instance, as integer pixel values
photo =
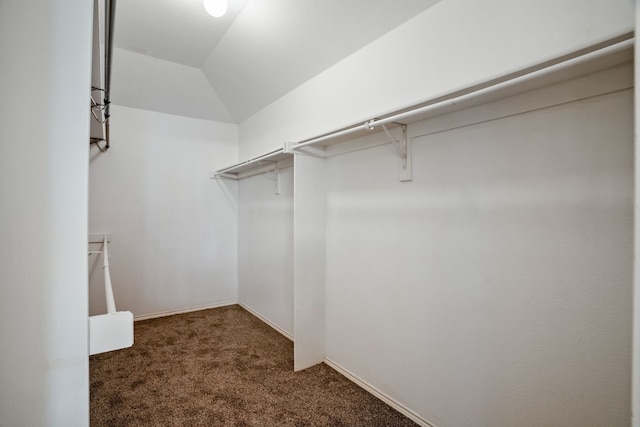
(223, 367)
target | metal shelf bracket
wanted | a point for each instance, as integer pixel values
(403, 147)
(274, 176)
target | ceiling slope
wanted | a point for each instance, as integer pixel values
(261, 49)
(141, 81)
(274, 46)
(174, 30)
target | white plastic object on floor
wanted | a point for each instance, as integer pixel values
(114, 330)
(111, 331)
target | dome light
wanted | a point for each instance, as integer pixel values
(215, 8)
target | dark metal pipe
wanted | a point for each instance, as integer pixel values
(110, 13)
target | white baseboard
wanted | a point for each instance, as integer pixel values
(380, 395)
(183, 310)
(267, 321)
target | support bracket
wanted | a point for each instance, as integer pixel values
(274, 177)
(403, 148)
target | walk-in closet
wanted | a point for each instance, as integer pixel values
(300, 212)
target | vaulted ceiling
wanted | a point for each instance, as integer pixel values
(257, 52)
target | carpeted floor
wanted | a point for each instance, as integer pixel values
(223, 367)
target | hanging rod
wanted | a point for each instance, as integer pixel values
(109, 13)
(227, 172)
(610, 47)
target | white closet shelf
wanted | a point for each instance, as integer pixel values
(264, 163)
(595, 58)
(589, 60)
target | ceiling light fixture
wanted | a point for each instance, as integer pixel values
(216, 8)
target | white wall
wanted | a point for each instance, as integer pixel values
(451, 45)
(432, 359)
(309, 261)
(269, 39)
(495, 288)
(265, 248)
(44, 135)
(141, 81)
(174, 230)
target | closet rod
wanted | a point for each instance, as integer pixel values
(503, 82)
(249, 162)
(105, 107)
(110, 13)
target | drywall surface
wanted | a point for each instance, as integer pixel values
(44, 137)
(174, 230)
(265, 248)
(309, 261)
(453, 44)
(495, 288)
(306, 38)
(141, 81)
